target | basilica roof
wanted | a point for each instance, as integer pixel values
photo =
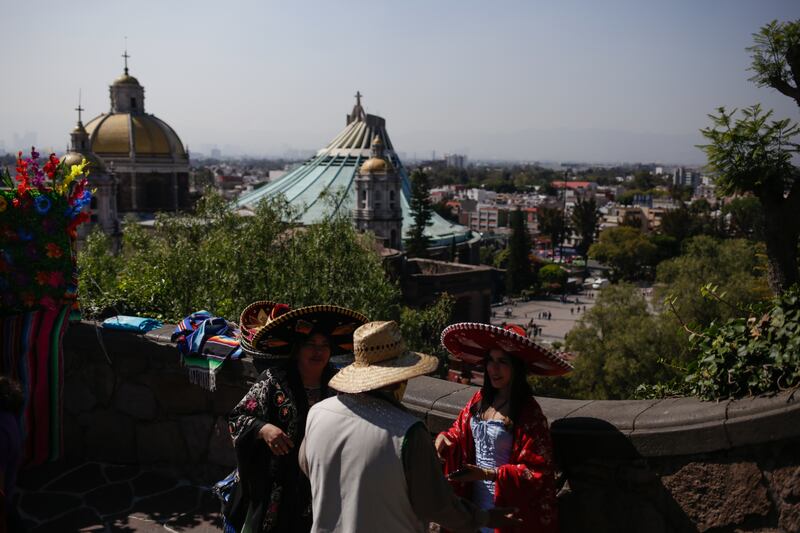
(325, 183)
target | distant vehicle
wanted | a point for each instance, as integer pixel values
(599, 283)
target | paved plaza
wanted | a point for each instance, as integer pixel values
(564, 315)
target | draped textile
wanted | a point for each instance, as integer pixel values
(31, 352)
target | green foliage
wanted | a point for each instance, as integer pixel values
(220, 261)
(518, 267)
(749, 355)
(552, 277)
(776, 57)
(626, 250)
(751, 153)
(421, 211)
(422, 328)
(736, 266)
(500, 259)
(552, 224)
(619, 344)
(584, 218)
(745, 218)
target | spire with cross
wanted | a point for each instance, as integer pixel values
(358, 111)
(79, 109)
(126, 56)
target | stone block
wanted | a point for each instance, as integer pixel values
(101, 380)
(220, 446)
(110, 499)
(80, 480)
(73, 439)
(175, 395)
(77, 397)
(161, 335)
(785, 485)
(110, 437)
(196, 431)
(226, 397)
(556, 408)
(160, 442)
(681, 426)
(763, 419)
(719, 495)
(136, 400)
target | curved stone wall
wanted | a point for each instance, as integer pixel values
(652, 465)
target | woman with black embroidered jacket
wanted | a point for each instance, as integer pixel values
(268, 424)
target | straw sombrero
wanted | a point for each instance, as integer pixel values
(277, 336)
(471, 342)
(381, 359)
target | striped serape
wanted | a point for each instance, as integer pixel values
(205, 342)
(31, 352)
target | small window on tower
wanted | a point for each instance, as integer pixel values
(133, 102)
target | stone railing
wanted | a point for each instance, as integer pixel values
(651, 465)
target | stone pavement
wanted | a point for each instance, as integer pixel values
(557, 327)
(97, 497)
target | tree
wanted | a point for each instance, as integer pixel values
(735, 266)
(626, 250)
(744, 218)
(753, 154)
(776, 58)
(240, 260)
(518, 268)
(553, 277)
(618, 345)
(418, 242)
(551, 223)
(584, 219)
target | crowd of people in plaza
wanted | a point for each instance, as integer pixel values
(320, 450)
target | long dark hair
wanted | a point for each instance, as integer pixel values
(520, 389)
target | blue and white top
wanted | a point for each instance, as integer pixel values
(492, 449)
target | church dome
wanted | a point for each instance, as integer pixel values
(141, 134)
(376, 165)
(125, 79)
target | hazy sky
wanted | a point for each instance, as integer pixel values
(590, 80)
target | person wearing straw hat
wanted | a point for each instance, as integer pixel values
(269, 422)
(371, 463)
(498, 452)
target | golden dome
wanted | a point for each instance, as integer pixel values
(75, 158)
(122, 133)
(126, 79)
(376, 165)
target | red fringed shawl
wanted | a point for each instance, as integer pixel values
(527, 482)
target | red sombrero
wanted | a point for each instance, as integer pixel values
(471, 341)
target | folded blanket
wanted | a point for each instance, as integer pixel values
(131, 323)
(205, 342)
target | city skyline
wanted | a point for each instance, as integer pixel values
(520, 81)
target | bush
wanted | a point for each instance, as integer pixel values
(749, 355)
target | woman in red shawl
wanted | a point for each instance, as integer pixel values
(498, 452)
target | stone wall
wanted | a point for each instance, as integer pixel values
(127, 400)
(649, 466)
